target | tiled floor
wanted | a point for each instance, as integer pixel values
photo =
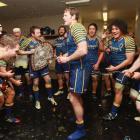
(51, 123)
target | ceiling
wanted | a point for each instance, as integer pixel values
(38, 8)
(30, 8)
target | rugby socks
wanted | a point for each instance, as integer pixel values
(8, 111)
(80, 125)
(36, 95)
(49, 91)
(114, 110)
(9, 115)
(29, 88)
(61, 89)
(20, 90)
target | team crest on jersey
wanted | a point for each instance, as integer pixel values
(115, 49)
(93, 46)
(121, 46)
(59, 45)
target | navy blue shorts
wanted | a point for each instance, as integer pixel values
(40, 73)
(21, 71)
(136, 85)
(61, 68)
(79, 80)
(121, 78)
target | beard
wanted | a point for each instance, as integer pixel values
(61, 34)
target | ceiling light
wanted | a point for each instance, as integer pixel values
(137, 17)
(76, 1)
(105, 27)
(2, 4)
(105, 16)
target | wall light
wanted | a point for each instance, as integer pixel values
(76, 1)
(2, 4)
(105, 16)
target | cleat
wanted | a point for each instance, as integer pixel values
(53, 102)
(37, 105)
(76, 135)
(107, 94)
(13, 120)
(68, 97)
(110, 117)
(59, 92)
(137, 119)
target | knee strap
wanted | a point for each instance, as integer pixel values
(119, 86)
(134, 93)
(27, 74)
(95, 76)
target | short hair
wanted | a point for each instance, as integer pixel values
(16, 30)
(32, 29)
(8, 39)
(62, 26)
(93, 24)
(73, 11)
(122, 25)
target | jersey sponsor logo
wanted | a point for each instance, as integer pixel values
(117, 49)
